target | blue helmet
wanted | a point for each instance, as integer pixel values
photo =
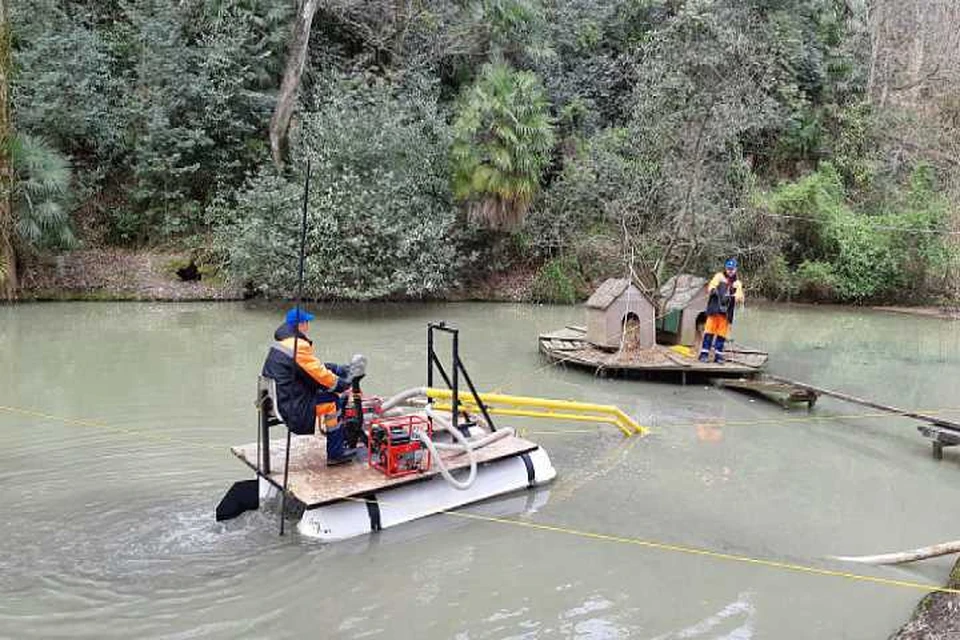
(730, 264)
(296, 316)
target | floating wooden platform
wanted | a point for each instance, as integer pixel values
(782, 393)
(569, 346)
(315, 484)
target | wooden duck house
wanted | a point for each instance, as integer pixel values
(685, 304)
(620, 315)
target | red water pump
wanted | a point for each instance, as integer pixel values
(395, 446)
(358, 412)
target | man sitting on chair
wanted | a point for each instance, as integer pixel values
(311, 391)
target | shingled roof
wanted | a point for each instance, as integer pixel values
(607, 292)
(688, 286)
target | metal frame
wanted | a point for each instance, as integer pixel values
(268, 415)
(457, 369)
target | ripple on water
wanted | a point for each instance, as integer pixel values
(102, 561)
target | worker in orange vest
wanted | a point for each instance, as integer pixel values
(310, 391)
(725, 291)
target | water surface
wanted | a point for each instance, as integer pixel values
(107, 528)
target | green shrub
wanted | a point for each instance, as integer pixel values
(815, 281)
(159, 103)
(774, 280)
(559, 280)
(41, 189)
(892, 255)
(381, 219)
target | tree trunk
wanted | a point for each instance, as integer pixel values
(901, 557)
(936, 615)
(8, 256)
(875, 23)
(915, 67)
(287, 99)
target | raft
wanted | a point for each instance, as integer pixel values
(569, 346)
(344, 501)
(434, 449)
(786, 394)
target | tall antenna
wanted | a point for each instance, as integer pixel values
(296, 337)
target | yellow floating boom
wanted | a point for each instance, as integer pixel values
(543, 408)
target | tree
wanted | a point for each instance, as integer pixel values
(381, 219)
(510, 31)
(915, 51)
(8, 257)
(290, 86)
(503, 141)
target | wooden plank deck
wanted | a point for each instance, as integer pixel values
(568, 346)
(314, 484)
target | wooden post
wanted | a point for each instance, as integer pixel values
(8, 256)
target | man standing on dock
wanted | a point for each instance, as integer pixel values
(311, 390)
(725, 291)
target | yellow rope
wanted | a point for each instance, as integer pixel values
(650, 544)
(102, 425)
(695, 551)
(717, 555)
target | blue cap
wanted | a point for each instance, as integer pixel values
(296, 316)
(730, 264)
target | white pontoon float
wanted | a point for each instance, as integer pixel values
(452, 434)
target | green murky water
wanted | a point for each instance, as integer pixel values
(107, 527)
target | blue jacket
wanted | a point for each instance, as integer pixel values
(301, 387)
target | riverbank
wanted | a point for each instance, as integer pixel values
(121, 274)
(935, 615)
(946, 313)
(152, 275)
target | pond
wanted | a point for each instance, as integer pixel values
(116, 421)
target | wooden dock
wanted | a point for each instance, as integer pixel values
(786, 395)
(786, 392)
(315, 484)
(569, 346)
(941, 432)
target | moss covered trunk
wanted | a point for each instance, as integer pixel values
(8, 256)
(937, 615)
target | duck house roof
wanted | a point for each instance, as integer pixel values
(607, 292)
(680, 290)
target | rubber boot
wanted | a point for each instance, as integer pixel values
(337, 452)
(718, 350)
(705, 348)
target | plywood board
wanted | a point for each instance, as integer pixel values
(314, 483)
(567, 333)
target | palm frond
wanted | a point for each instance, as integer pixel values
(42, 179)
(503, 141)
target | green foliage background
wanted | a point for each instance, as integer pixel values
(381, 220)
(578, 140)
